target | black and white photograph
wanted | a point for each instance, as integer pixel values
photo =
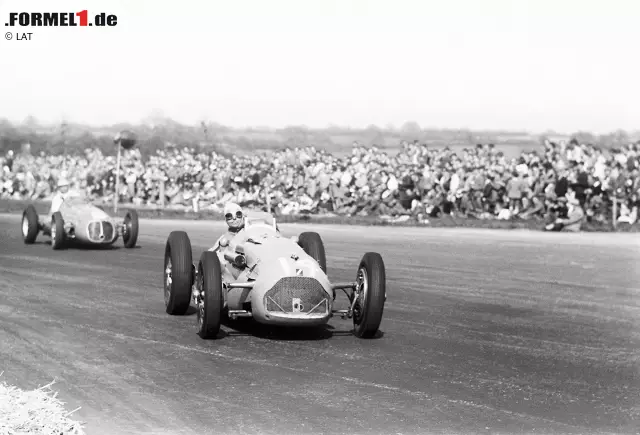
(358, 217)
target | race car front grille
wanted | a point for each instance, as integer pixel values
(94, 231)
(107, 230)
(297, 294)
(100, 231)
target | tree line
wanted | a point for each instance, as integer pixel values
(160, 134)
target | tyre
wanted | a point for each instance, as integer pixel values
(30, 225)
(312, 245)
(178, 270)
(130, 229)
(371, 295)
(57, 231)
(211, 300)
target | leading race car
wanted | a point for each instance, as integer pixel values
(274, 279)
(80, 221)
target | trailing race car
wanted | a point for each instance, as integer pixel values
(80, 221)
(275, 280)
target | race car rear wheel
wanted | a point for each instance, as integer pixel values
(312, 244)
(57, 231)
(211, 299)
(30, 225)
(371, 294)
(178, 270)
(130, 229)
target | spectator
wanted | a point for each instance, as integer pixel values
(418, 183)
(574, 216)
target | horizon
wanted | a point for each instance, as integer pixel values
(387, 129)
(506, 66)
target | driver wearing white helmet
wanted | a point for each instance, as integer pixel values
(59, 197)
(234, 217)
(63, 192)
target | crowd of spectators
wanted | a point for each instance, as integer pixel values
(418, 183)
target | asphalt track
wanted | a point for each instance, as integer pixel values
(483, 332)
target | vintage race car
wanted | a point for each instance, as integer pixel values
(276, 280)
(82, 222)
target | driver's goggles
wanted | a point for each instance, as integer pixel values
(230, 216)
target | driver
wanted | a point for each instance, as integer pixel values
(59, 197)
(61, 194)
(234, 217)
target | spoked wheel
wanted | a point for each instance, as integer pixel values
(210, 299)
(370, 296)
(178, 269)
(130, 229)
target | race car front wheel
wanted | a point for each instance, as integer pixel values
(57, 231)
(177, 273)
(211, 299)
(370, 294)
(30, 225)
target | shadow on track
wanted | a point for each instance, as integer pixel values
(248, 327)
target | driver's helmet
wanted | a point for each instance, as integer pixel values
(234, 216)
(63, 185)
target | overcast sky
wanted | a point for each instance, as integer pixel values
(496, 64)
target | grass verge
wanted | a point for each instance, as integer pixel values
(17, 206)
(34, 412)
